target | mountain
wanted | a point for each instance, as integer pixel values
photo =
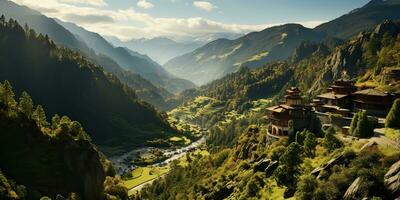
(64, 82)
(220, 57)
(130, 60)
(41, 24)
(223, 56)
(246, 162)
(362, 19)
(42, 159)
(160, 49)
(367, 57)
(86, 41)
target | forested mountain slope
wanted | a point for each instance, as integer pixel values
(91, 45)
(313, 67)
(361, 19)
(245, 163)
(47, 159)
(64, 82)
(220, 57)
(129, 60)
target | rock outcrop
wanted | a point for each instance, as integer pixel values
(324, 171)
(392, 180)
(353, 192)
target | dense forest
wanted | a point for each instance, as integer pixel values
(65, 82)
(48, 158)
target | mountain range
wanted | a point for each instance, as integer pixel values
(65, 82)
(160, 49)
(223, 56)
(92, 44)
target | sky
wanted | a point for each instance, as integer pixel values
(127, 19)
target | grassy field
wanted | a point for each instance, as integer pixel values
(392, 133)
(144, 174)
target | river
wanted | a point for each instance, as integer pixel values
(122, 163)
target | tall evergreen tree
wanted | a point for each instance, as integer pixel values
(8, 95)
(353, 125)
(330, 141)
(26, 104)
(310, 143)
(393, 117)
(40, 116)
(361, 126)
(55, 121)
(289, 168)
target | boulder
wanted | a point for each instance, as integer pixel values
(324, 171)
(271, 168)
(354, 189)
(261, 165)
(369, 146)
(317, 171)
(392, 180)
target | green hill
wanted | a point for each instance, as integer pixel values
(46, 159)
(64, 82)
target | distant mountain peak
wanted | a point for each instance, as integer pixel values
(381, 2)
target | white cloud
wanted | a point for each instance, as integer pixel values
(88, 2)
(129, 23)
(204, 5)
(144, 4)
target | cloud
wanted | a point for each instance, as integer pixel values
(87, 2)
(87, 19)
(129, 23)
(144, 4)
(204, 5)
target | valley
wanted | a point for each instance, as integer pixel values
(110, 101)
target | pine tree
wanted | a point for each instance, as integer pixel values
(26, 104)
(55, 121)
(40, 117)
(8, 95)
(393, 117)
(364, 126)
(353, 125)
(289, 165)
(310, 143)
(330, 141)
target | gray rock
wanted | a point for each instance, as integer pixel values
(271, 168)
(353, 191)
(317, 171)
(392, 179)
(261, 165)
(324, 171)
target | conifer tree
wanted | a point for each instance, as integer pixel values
(26, 104)
(393, 117)
(330, 141)
(364, 126)
(8, 95)
(40, 117)
(55, 120)
(289, 168)
(353, 125)
(310, 143)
